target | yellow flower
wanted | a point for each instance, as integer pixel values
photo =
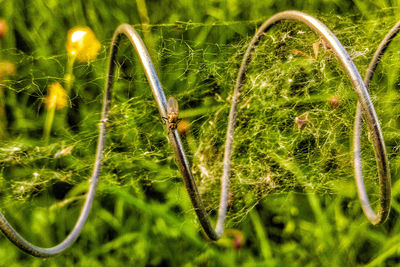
(82, 44)
(56, 97)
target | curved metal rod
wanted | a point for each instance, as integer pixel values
(131, 34)
(360, 89)
(173, 135)
(36, 251)
(127, 30)
(174, 138)
(385, 190)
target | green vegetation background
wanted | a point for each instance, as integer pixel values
(293, 200)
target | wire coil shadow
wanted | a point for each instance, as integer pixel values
(364, 107)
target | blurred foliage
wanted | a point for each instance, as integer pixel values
(293, 198)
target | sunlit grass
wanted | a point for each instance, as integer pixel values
(293, 197)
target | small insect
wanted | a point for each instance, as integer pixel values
(172, 114)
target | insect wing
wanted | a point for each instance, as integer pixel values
(172, 105)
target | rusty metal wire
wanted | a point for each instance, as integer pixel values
(365, 107)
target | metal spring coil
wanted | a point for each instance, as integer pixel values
(364, 107)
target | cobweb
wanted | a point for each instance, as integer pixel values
(293, 133)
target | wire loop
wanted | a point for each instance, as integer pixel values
(364, 106)
(135, 40)
(384, 181)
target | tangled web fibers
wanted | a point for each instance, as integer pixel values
(293, 132)
(295, 119)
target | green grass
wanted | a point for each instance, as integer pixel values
(292, 196)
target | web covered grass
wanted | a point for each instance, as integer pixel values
(295, 121)
(273, 155)
(273, 151)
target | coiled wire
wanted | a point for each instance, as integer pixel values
(364, 107)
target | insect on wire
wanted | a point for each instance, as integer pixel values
(172, 114)
(169, 113)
